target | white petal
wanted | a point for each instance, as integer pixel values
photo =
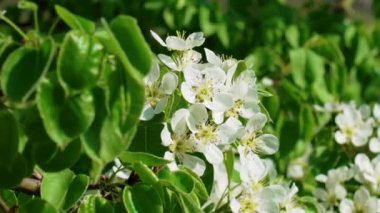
(257, 122)
(362, 161)
(166, 136)
(175, 43)
(270, 144)
(147, 113)
(235, 206)
(218, 117)
(321, 194)
(361, 195)
(374, 145)
(346, 206)
(340, 137)
(376, 111)
(195, 40)
(196, 164)
(153, 74)
(358, 140)
(169, 83)
(221, 102)
(321, 178)
(213, 154)
(161, 104)
(188, 92)
(215, 75)
(173, 165)
(168, 61)
(340, 191)
(212, 58)
(158, 38)
(193, 75)
(178, 121)
(198, 117)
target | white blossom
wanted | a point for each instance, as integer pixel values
(363, 202)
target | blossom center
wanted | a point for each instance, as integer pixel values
(206, 134)
(204, 92)
(234, 110)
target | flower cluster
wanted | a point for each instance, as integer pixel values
(356, 186)
(220, 113)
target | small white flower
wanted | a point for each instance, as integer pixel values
(369, 171)
(180, 144)
(179, 43)
(209, 136)
(121, 172)
(261, 201)
(362, 202)
(253, 141)
(202, 85)
(252, 168)
(157, 92)
(352, 127)
(335, 190)
(285, 198)
(374, 143)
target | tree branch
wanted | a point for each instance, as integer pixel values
(29, 186)
(3, 205)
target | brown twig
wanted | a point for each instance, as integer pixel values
(4, 206)
(29, 186)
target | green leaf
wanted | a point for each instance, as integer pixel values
(95, 204)
(179, 180)
(12, 174)
(229, 159)
(37, 205)
(9, 197)
(144, 199)
(128, 200)
(292, 35)
(131, 40)
(64, 118)
(9, 139)
(79, 61)
(146, 158)
(145, 174)
(24, 68)
(74, 21)
(51, 158)
(27, 5)
(77, 188)
(199, 187)
(307, 123)
(63, 189)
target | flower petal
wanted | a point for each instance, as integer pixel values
(178, 121)
(269, 144)
(195, 40)
(194, 163)
(147, 113)
(198, 117)
(212, 58)
(158, 38)
(374, 145)
(188, 92)
(169, 83)
(257, 122)
(175, 43)
(213, 154)
(166, 136)
(168, 61)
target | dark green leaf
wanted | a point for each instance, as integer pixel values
(24, 68)
(64, 118)
(79, 61)
(74, 21)
(145, 174)
(37, 205)
(178, 180)
(140, 194)
(145, 158)
(95, 204)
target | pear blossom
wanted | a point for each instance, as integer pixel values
(253, 141)
(374, 143)
(179, 43)
(284, 196)
(260, 201)
(252, 169)
(201, 85)
(335, 190)
(157, 91)
(180, 144)
(368, 170)
(363, 202)
(208, 136)
(353, 128)
(243, 93)
(186, 55)
(121, 172)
